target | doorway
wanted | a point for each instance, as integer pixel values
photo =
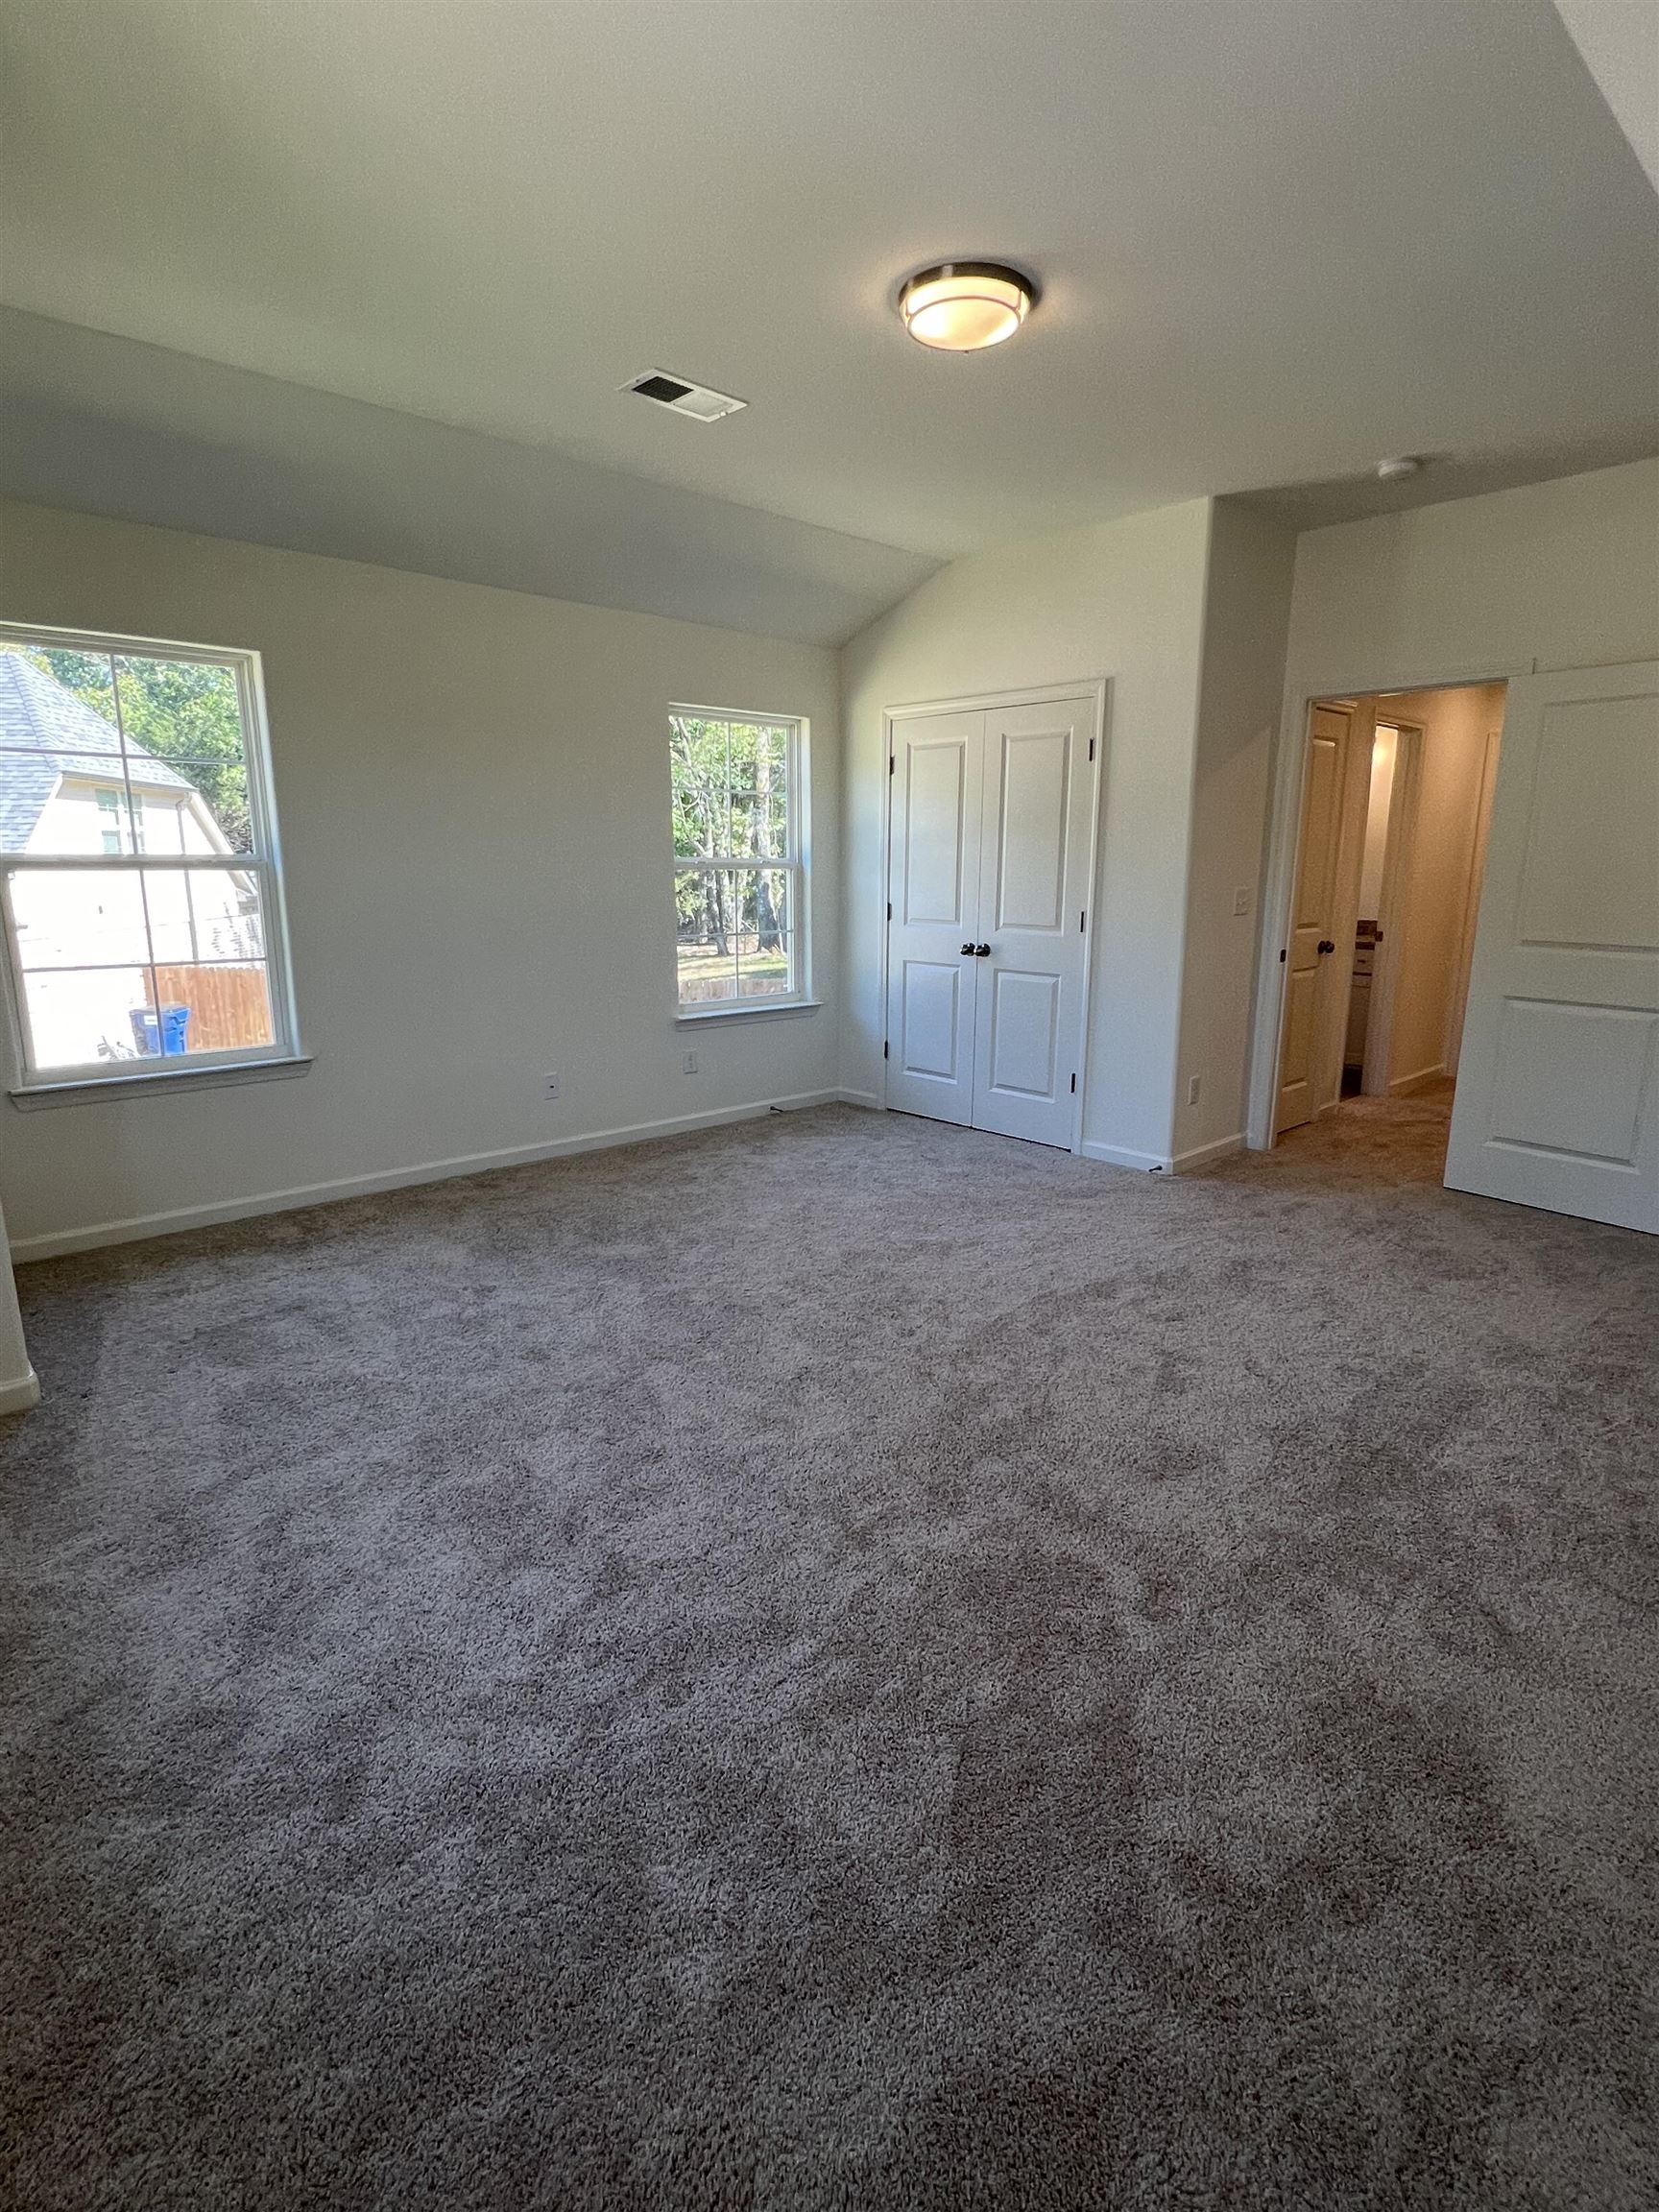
(991, 859)
(1396, 800)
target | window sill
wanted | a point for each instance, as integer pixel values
(756, 1012)
(30, 1097)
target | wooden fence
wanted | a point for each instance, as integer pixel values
(228, 1006)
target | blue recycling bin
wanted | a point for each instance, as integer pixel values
(164, 1032)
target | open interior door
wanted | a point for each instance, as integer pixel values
(1319, 956)
(1557, 1098)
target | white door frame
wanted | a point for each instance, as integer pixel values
(1095, 687)
(1284, 833)
(1401, 840)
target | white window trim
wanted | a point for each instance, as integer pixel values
(744, 1010)
(214, 1074)
(66, 1085)
(798, 866)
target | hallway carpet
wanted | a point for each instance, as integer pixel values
(839, 1663)
(1368, 1141)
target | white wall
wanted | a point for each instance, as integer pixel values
(1433, 894)
(1558, 575)
(1247, 612)
(473, 793)
(1125, 601)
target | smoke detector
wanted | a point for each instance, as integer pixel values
(680, 396)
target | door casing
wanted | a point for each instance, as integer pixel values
(1096, 689)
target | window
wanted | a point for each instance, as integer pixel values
(121, 821)
(739, 872)
(139, 875)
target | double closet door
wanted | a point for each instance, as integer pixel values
(989, 860)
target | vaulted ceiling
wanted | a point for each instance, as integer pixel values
(368, 277)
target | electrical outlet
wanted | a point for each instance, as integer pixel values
(1241, 902)
(549, 1086)
(688, 1064)
(1191, 1090)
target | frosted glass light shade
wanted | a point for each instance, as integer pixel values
(964, 305)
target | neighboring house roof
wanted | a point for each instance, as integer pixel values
(45, 733)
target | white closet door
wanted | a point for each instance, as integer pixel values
(933, 896)
(1034, 895)
(1557, 1098)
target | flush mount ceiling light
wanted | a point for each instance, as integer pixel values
(1402, 465)
(962, 305)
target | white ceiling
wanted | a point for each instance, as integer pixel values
(111, 426)
(1619, 42)
(1277, 240)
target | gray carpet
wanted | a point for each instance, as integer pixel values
(840, 1663)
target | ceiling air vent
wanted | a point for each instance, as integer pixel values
(684, 398)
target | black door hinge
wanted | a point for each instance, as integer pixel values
(884, 1048)
(1281, 959)
(890, 763)
(1090, 748)
(1073, 1082)
(889, 909)
(1083, 922)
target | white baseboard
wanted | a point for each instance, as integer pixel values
(18, 1397)
(1420, 1080)
(1118, 1156)
(137, 1225)
(866, 1099)
(1201, 1154)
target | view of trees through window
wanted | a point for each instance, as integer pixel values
(185, 712)
(736, 863)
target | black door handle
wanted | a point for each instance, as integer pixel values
(1327, 945)
(982, 952)
(966, 948)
